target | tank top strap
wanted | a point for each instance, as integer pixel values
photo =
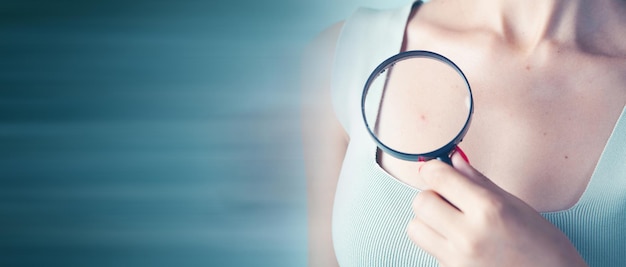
(368, 37)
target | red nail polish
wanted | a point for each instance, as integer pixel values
(460, 151)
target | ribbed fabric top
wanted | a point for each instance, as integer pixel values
(372, 208)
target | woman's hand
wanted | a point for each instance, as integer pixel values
(463, 219)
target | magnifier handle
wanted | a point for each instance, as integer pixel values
(457, 149)
(445, 159)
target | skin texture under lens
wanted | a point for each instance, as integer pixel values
(437, 109)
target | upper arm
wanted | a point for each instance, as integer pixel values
(325, 143)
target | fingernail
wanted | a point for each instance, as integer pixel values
(462, 154)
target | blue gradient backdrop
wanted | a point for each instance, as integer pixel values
(154, 133)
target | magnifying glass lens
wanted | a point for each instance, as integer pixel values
(417, 105)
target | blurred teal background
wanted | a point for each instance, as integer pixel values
(154, 133)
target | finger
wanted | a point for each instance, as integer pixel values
(460, 152)
(454, 186)
(426, 238)
(437, 213)
(462, 166)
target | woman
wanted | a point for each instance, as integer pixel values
(547, 145)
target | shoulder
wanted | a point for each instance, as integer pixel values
(318, 55)
(321, 50)
(316, 75)
(317, 65)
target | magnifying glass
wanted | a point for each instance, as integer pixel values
(417, 106)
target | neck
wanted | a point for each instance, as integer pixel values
(529, 23)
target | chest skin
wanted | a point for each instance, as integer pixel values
(541, 120)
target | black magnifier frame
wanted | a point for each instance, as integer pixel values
(442, 153)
